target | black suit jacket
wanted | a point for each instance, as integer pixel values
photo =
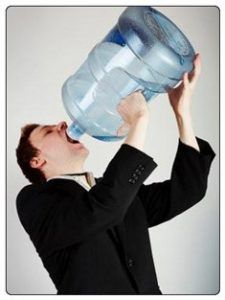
(97, 241)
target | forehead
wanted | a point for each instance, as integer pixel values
(38, 132)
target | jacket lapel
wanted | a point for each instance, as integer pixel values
(118, 233)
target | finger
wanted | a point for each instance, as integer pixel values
(194, 74)
(118, 133)
(185, 80)
(119, 108)
(193, 71)
(197, 64)
(121, 103)
(123, 130)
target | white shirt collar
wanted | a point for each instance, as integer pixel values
(76, 178)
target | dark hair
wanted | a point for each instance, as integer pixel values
(25, 152)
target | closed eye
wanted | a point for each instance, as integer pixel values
(48, 131)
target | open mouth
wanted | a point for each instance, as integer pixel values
(71, 140)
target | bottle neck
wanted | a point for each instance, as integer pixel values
(75, 131)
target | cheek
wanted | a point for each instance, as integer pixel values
(54, 148)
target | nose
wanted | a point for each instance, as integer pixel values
(61, 126)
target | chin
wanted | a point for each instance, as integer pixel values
(85, 150)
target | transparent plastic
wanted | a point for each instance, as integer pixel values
(143, 51)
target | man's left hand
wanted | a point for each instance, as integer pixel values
(180, 97)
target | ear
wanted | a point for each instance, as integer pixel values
(37, 162)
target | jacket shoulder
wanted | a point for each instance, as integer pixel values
(36, 195)
(26, 193)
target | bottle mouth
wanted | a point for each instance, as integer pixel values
(74, 132)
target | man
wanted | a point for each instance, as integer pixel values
(92, 234)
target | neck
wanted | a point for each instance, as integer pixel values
(65, 169)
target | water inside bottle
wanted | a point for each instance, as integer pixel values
(108, 138)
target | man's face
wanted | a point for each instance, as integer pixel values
(55, 146)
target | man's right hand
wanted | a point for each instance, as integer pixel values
(133, 107)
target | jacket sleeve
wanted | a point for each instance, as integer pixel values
(187, 185)
(55, 219)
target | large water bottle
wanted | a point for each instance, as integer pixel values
(144, 51)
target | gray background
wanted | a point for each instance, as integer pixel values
(47, 44)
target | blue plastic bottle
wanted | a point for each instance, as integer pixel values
(144, 51)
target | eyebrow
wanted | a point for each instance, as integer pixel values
(45, 127)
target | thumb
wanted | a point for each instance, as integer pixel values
(123, 129)
(185, 80)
